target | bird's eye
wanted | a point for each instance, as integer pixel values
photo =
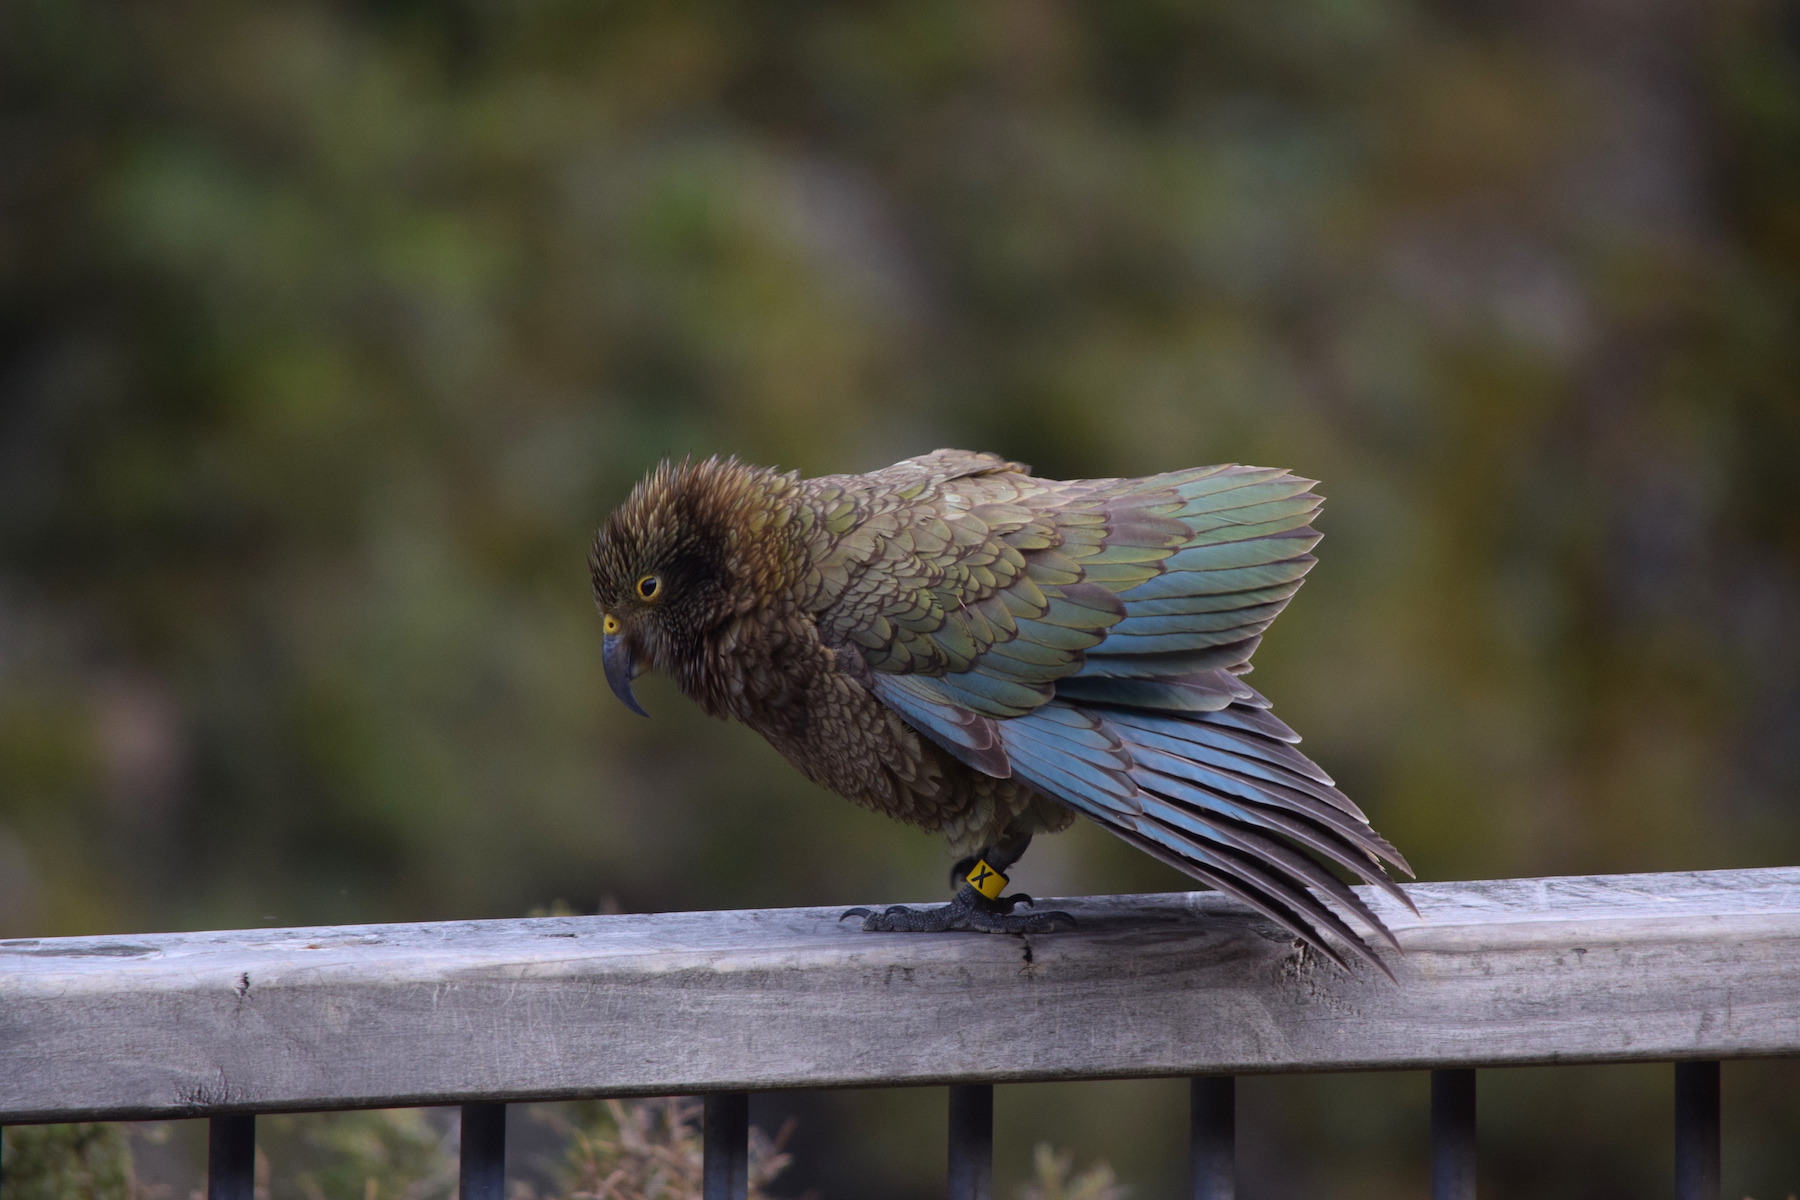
(609, 623)
(648, 586)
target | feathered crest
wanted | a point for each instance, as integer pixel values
(683, 513)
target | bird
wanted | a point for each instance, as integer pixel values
(986, 654)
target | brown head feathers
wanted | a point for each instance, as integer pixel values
(690, 547)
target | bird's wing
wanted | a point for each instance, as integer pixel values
(972, 578)
(1101, 663)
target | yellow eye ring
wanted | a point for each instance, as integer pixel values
(648, 587)
(609, 623)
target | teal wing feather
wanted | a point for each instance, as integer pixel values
(1090, 637)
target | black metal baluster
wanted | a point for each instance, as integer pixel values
(1212, 1128)
(1453, 1135)
(726, 1128)
(231, 1158)
(1697, 1131)
(972, 1141)
(483, 1172)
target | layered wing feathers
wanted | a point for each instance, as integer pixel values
(1088, 638)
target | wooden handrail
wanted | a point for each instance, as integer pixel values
(1704, 965)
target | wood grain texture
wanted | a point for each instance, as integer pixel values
(1598, 969)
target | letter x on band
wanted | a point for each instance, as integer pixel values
(986, 880)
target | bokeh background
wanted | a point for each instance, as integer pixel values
(330, 330)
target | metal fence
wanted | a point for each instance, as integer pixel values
(1683, 968)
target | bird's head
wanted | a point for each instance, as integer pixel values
(673, 565)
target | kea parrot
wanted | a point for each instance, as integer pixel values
(985, 654)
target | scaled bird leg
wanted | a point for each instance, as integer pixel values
(970, 911)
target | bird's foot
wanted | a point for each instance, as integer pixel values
(970, 912)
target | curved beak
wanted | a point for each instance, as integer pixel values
(621, 669)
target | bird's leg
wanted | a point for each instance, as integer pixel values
(978, 907)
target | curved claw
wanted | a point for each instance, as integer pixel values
(897, 918)
(1051, 918)
(1017, 898)
(856, 912)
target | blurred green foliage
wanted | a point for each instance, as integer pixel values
(67, 1162)
(330, 329)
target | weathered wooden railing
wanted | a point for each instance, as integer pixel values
(1689, 968)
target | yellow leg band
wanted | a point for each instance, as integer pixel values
(986, 880)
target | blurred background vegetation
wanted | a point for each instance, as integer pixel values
(330, 330)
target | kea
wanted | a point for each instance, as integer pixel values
(985, 654)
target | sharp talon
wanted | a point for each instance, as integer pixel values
(1018, 898)
(856, 912)
(895, 908)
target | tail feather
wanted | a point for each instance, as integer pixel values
(1234, 789)
(1221, 770)
(1358, 850)
(1207, 691)
(1301, 913)
(1282, 862)
(1253, 716)
(1278, 755)
(1176, 664)
(1234, 807)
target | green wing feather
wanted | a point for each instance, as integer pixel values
(966, 569)
(1088, 637)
